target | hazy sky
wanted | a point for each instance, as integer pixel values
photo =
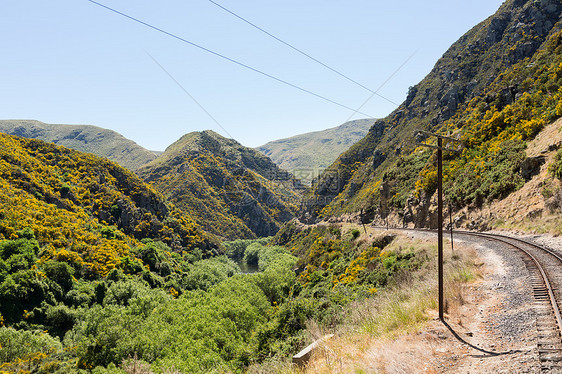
(73, 62)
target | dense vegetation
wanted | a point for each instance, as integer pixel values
(495, 88)
(98, 272)
(162, 307)
(233, 191)
(177, 311)
(83, 209)
(84, 138)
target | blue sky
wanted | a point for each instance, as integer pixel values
(73, 62)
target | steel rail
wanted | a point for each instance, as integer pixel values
(549, 331)
(504, 239)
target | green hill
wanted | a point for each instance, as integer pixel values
(231, 190)
(308, 154)
(84, 208)
(91, 139)
(495, 88)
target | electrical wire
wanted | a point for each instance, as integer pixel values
(381, 86)
(188, 94)
(302, 52)
(224, 57)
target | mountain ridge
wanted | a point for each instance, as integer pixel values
(495, 87)
(309, 153)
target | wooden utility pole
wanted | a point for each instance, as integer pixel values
(451, 226)
(440, 224)
(440, 150)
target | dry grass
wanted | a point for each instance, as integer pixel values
(547, 223)
(274, 366)
(382, 334)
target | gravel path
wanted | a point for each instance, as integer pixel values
(496, 327)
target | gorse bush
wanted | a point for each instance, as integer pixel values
(84, 210)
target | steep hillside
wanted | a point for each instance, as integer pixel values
(83, 208)
(231, 190)
(83, 138)
(306, 155)
(495, 88)
(536, 207)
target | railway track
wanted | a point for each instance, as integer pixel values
(545, 269)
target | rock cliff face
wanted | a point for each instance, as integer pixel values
(233, 191)
(485, 89)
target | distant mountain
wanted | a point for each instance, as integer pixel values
(83, 138)
(308, 154)
(231, 190)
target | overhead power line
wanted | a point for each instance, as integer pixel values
(188, 94)
(302, 52)
(224, 57)
(381, 86)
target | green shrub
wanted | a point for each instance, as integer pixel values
(251, 254)
(204, 274)
(59, 272)
(556, 167)
(21, 344)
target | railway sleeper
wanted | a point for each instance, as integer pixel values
(552, 358)
(552, 346)
(548, 337)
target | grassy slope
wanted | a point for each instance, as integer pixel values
(231, 190)
(83, 138)
(314, 151)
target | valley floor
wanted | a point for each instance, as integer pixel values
(491, 326)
